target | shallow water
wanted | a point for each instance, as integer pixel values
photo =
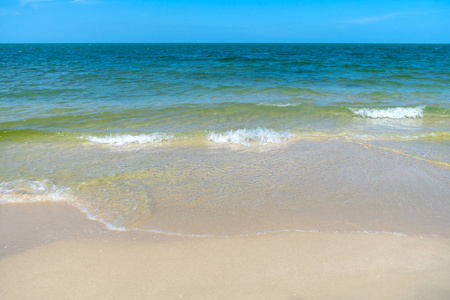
(213, 139)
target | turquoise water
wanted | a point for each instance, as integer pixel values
(82, 123)
(189, 88)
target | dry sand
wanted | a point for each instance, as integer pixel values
(96, 264)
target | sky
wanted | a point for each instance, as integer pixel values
(240, 21)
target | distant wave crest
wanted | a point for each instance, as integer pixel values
(390, 113)
(130, 139)
(280, 104)
(248, 137)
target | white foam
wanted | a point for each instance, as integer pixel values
(248, 137)
(280, 104)
(25, 191)
(390, 113)
(370, 231)
(93, 217)
(130, 139)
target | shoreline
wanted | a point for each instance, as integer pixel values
(25, 226)
(83, 260)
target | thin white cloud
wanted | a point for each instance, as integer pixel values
(373, 19)
(387, 16)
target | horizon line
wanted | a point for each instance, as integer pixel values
(394, 43)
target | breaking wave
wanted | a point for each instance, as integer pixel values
(390, 113)
(130, 139)
(26, 191)
(248, 137)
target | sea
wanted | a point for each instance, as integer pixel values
(231, 139)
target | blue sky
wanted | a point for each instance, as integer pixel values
(389, 21)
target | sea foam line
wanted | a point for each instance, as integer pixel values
(247, 137)
(390, 113)
(126, 139)
(31, 191)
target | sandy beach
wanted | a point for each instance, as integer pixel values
(70, 257)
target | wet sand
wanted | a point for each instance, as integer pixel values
(81, 260)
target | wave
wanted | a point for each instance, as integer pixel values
(280, 104)
(19, 191)
(156, 125)
(390, 113)
(127, 139)
(209, 117)
(249, 137)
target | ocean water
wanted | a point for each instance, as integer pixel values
(213, 139)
